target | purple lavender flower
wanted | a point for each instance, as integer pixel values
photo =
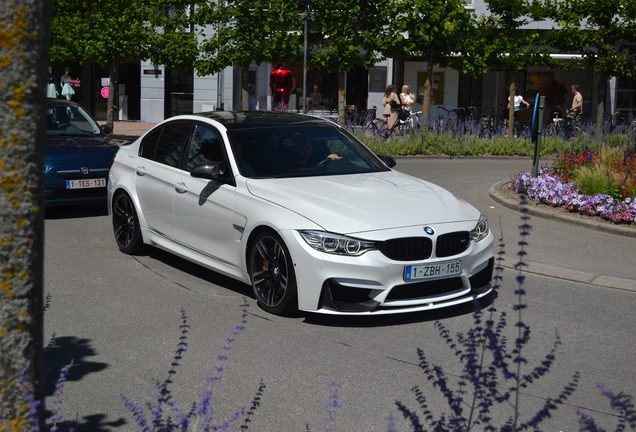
(332, 405)
(163, 413)
(549, 189)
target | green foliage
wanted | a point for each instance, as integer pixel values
(604, 31)
(433, 29)
(606, 172)
(249, 31)
(344, 34)
(468, 144)
(591, 180)
(101, 32)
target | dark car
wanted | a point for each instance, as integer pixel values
(78, 155)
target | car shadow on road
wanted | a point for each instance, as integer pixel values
(400, 319)
(199, 272)
(207, 275)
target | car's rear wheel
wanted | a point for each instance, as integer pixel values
(126, 224)
(272, 273)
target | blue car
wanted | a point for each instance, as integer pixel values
(78, 155)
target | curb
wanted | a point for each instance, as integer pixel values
(547, 213)
(576, 276)
(558, 272)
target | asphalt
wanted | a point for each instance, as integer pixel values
(126, 131)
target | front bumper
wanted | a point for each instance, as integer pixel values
(373, 284)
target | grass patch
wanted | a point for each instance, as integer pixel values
(434, 143)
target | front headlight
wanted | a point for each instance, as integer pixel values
(481, 230)
(336, 244)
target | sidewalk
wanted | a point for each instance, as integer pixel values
(124, 131)
(547, 212)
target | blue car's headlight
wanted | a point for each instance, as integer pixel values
(336, 244)
(481, 230)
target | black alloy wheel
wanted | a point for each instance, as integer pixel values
(126, 225)
(272, 273)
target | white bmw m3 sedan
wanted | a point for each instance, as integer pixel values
(302, 211)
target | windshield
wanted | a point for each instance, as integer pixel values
(300, 151)
(70, 120)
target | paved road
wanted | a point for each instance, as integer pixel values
(118, 317)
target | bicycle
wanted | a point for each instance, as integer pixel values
(412, 123)
(455, 120)
(562, 126)
(488, 124)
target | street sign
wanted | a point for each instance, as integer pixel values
(105, 91)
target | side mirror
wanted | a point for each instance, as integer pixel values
(387, 159)
(216, 171)
(106, 129)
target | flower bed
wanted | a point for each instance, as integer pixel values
(549, 188)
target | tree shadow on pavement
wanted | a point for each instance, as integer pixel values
(61, 353)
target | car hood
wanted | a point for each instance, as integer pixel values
(67, 147)
(349, 204)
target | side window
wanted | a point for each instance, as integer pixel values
(205, 146)
(171, 143)
(149, 144)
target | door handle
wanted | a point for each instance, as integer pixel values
(140, 170)
(180, 187)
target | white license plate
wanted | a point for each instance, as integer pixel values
(432, 271)
(85, 184)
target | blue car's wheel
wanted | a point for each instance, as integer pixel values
(272, 273)
(126, 225)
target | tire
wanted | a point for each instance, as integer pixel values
(272, 274)
(126, 225)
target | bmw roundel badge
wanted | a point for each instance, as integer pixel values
(429, 230)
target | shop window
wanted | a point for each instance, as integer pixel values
(625, 95)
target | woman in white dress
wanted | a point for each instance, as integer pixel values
(407, 98)
(67, 90)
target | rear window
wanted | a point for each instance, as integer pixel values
(70, 120)
(165, 144)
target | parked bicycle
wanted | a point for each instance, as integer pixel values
(562, 126)
(489, 124)
(456, 120)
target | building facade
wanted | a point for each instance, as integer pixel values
(151, 93)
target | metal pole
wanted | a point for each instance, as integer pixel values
(305, 61)
(219, 78)
(537, 144)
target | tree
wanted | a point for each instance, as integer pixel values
(433, 29)
(105, 32)
(24, 42)
(256, 31)
(248, 31)
(345, 38)
(502, 40)
(604, 31)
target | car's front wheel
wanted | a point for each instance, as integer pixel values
(272, 274)
(126, 224)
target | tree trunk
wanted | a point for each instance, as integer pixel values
(23, 81)
(511, 110)
(341, 98)
(110, 105)
(600, 105)
(426, 102)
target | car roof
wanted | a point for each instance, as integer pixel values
(54, 101)
(237, 120)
